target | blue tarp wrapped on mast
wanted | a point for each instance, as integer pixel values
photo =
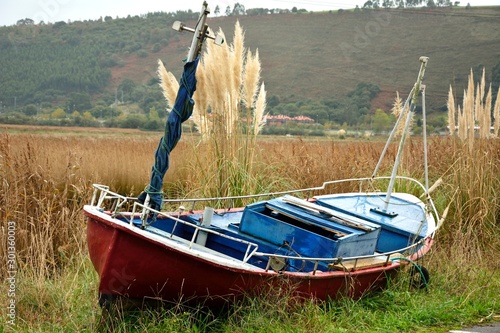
(182, 110)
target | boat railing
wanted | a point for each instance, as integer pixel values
(138, 207)
(310, 190)
(103, 193)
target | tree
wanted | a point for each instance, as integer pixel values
(388, 3)
(30, 110)
(228, 11)
(26, 21)
(127, 87)
(443, 3)
(153, 114)
(238, 9)
(275, 100)
(156, 48)
(217, 10)
(76, 114)
(58, 114)
(413, 3)
(134, 121)
(88, 116)
(381, 120)
(154, 122)
(79, 101)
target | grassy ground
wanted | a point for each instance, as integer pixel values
(46, 180)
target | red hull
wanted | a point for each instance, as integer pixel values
(133, 265)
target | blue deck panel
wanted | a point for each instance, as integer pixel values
(397, 232)
(311, 217)
(309, 234)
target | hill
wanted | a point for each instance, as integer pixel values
(305, 56)
(319, 55)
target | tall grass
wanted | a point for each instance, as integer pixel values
(46, 180)
(41, 196)
(474, 172)
(472, 232)
(42, 192)
(473, 118)
(229, 111)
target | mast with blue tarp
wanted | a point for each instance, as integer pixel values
(152, 196)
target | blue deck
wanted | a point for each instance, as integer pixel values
(308, 233)
(405, 224)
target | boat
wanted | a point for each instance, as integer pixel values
(317, 244)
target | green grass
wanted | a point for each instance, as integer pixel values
(63, 303)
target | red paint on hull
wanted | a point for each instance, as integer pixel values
(132, 265)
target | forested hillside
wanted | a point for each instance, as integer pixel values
(49, 63)
(336, 67)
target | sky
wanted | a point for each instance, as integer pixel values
(78, 10)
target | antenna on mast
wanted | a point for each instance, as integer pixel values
(200, 33)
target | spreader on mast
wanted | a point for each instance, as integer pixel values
(152, 196)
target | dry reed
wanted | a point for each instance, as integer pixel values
(46, 181)
(474, 173)
(451, 112)
(476, 112)
(43, 200)
(47, 178)
(397, 110)
(229, 113)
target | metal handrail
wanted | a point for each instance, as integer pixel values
(249, 253)
(273, 194)
(106, 194)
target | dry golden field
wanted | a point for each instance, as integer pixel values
(47, 176)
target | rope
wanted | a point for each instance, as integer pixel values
(417, 266)
(152, 191)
